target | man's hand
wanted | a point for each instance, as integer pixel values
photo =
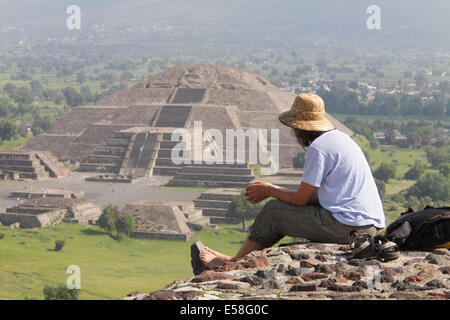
(257, 192)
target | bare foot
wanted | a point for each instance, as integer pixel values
(210, 260)
(218, 254)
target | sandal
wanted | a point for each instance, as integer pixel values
(362, 246)
(387, 250)
(197, 265)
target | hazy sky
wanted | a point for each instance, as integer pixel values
(422, 19)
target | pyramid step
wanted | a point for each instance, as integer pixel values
(199, 203)
(205, 184)
(222, 220)
(193, 213)
(166, 162)
(117, 142)
(99, 167)
(164, 144)
(198, 223)
(110, 151)
(221, 195)
(213, 177)
(165, 171)
(122, 135)
(25, 169)
(217, 170)
(25, 163)
(113, 159)
(214, 212)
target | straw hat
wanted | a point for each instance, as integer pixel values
(307, 113)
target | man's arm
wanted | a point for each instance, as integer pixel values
(258, 191)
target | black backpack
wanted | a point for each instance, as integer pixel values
(427, 229)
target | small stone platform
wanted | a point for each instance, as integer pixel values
(43, 212)
(115, 178)
(166, 220)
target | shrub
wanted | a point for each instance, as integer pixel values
(59, 244)
(113, 220)
(107, 220)
(416, 171)
(125, 224)
(240, 209)
(385, 172)
(444, 169)
(436, 156)
(433, 185)
(60, 292)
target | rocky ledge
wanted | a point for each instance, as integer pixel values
(315, 271)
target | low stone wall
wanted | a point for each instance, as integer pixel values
(312, 271)
(115, 179)
(161, 235)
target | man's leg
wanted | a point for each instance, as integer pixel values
(212, 258)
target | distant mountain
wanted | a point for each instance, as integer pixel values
(227, 20)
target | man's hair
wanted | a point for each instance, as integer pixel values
(305, 138)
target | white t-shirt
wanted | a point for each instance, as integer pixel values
(337, 166)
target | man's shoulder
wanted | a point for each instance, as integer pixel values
(332, 140)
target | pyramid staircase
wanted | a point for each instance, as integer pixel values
(236, 175)
(108, 158)
(141, 154)
(214, 204)
(16, 165)
(52, 164)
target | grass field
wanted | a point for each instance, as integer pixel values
(404, 158)
(109, 269)
(14, 143)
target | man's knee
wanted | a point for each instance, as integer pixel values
(269, 209)
(271, 205)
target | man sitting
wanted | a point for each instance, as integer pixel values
(337, 194)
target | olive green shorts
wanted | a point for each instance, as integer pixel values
(278, 219)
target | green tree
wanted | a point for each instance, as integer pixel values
(385, 172)
(444, 169)
(433, 185)
(436, 156)
(241, 210)
(41, 123)
(125, 224)
(8, 129)
(238, 210)
(112, 220)
(107, 220)
(416, 171)
(73, 97)
(59, 244)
